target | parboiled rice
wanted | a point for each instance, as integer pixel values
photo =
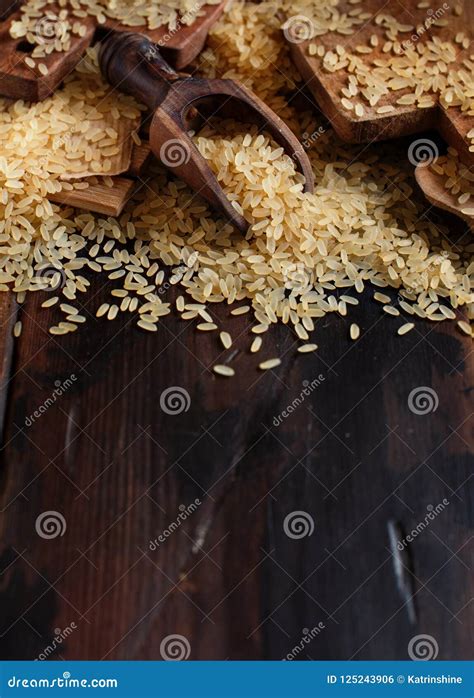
(301, 250)
(223, 370)
(51, 26)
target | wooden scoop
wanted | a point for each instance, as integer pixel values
(181, 103)
(432, 185)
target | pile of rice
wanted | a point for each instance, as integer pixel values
(305, 255)
(49, 25)
(407, 61)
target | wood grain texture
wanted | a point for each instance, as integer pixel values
(182, 45)
(351, 455)
(19, 81)
(120, 470)
(8, 317)
(141, 159)
(404, 120)
(7, 7)
(98, 198)
(111, 201)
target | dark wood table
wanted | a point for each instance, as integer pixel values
(233, 573)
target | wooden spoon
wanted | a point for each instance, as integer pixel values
(432, 185)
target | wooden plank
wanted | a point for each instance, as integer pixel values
(111, 201)
(98, 198)
(8, 317)
(119, 469)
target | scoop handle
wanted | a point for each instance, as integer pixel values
(134, 64)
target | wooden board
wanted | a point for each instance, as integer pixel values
(111, 201)
(119, 470)
(18, 81)
(141, 158)
(119, 163)
(405, 120)
(185, 43)
(98, 198)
